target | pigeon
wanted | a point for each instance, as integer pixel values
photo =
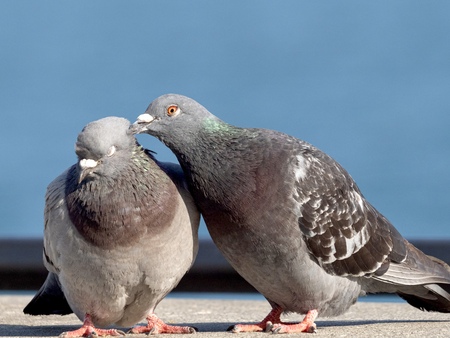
(290, 219)
(121, 230)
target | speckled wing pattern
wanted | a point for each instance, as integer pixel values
(345, 234)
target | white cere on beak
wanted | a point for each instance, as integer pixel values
(88, 163)
(145, 118)
(111, 151)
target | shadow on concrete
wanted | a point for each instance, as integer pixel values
(55, 330)
(333, 323)
(34, 330)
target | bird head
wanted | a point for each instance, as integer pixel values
(172, 118)
(101, 147)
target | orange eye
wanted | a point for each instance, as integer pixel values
(172, 110)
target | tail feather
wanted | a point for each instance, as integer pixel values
(441, 290)
(49, 300)
(423, 281)
(436, 299)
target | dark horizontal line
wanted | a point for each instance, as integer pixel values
(21, 266)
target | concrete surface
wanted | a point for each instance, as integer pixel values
(212, 317)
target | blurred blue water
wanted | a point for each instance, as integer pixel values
(378, 298)
(389, 298)
(367, 82)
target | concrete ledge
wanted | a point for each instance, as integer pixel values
(21, 266)
(212, 317)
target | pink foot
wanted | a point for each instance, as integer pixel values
(156, 325)
(89, 330)
(307, 325)
(272, 317)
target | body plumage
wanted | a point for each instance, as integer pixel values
(290, 219)
(120, 229)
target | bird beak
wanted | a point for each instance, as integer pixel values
(142, 121)
(83, 174)
(86, 167)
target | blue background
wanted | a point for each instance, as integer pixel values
(367, 82)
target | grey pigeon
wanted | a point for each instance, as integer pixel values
(290, 219)
(120, 232)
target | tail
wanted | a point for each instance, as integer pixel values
(49, 300)
(435, 296)
(423, 281)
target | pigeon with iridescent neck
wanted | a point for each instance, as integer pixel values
(290, 219)
(120, 232)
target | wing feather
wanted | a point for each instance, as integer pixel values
(345, 234)
(55, 217)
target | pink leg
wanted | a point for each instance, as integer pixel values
(156, 325)
(89, 330)
(272, 317)
(307, 325)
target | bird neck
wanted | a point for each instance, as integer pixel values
(221, 166)
(118, 211)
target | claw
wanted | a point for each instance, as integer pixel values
(307, 325)
(245, 328)
(273, 316)
(276, 330)
(156, 325)
(269, 326)
(232, 329)
(272, 323)
(89, 330)
(312, 328)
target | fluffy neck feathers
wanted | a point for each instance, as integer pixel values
(116, 211)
